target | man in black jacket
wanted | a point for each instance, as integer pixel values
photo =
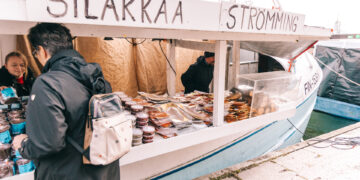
(58, 108)
(200, 74)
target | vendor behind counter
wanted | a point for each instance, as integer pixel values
(15, 73)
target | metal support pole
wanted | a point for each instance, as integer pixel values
(219, 82)
(171, 75)
(236, 60)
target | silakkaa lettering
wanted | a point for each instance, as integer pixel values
(123, 10)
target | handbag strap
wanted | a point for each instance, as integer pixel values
(75, 144)
(82, 151)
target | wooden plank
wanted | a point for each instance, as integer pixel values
(171, 70)
(202, 46)
(22, 27)
(219, 82)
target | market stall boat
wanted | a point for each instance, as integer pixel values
(278, 34)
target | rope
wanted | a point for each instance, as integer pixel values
(341, 143)
(337, 72)
(167, 58)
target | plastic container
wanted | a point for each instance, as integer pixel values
(17, 126)
(8, 96)
(142, 116)
(148, 130)
(136, 109)
(128, 105)
(137, 133)
(25, 165)
(141, 123)
(7, 168)
(5, 151)
(145, 141)
(15, 114)
(132, 118)
(138, 140)
(148, 136)
(5, 136)
(124, 100)
(137, 144)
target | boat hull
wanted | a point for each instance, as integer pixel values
(338, 108)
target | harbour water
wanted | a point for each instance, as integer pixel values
(321, 123)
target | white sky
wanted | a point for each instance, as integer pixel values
(321, 13)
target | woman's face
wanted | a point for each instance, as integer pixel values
(15, 66)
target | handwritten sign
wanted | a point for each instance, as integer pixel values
(242, 18)
(170, 14)
(174, 14)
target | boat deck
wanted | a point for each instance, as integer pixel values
(315, 158)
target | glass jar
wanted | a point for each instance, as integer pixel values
(142, 117)
(25, 165)
(17, 126)
(5, 151)
(7, 168)
(136, 108)
(5, 136)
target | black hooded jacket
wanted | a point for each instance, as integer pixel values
(58, 106)
(6, 79)
(198, 76)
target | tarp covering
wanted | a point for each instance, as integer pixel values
(129, 68)
(115, 58)
(345, 61)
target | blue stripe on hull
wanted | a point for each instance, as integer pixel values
(244, 149)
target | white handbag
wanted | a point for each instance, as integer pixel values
(108, 133)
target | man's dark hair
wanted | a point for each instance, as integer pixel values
(52, 36)
(209, 54)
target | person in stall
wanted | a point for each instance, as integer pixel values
(58, 108)
(200, 74)
(16, 73)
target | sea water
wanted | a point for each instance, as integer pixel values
(321, 123)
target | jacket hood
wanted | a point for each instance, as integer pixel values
(5, 74)
(72, 63)
(201, 61)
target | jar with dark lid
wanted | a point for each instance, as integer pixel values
(136, 109)
(131, 118)
(7, 168)
(15, 114)
(5, 151)
(137, 133)
(148, 130)
(128, 105)
(5, 136)
(125, 99)
(25, 165)
(141, 123)
(148, 136)
(15, 154)
(142, 116)
(3, 117)
(4, 122)
(17, 126)
(145, 141)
